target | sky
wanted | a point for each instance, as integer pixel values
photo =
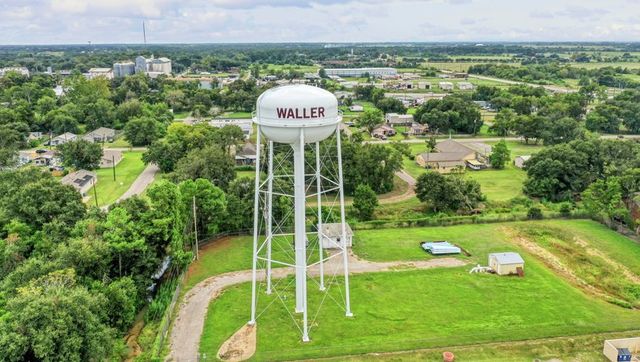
(257, 21)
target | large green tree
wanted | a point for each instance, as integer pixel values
(365, 202)
(448, 192)
(81, 154)
(210, 163)
(500, 155)
(370, 119)
(54, 318)
(210, 204)
(142, 131)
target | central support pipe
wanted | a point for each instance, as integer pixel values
(300, 233)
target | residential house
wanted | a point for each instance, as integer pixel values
(246, 156)
(20, 70)
(418, 129)
(395, 119)
(110, 158)
(383, 132)
(100, 135)
(487, 106)
(245, 124)
(37, 158)
(520, 160)
(451, 155)
(81, 180)
(446, 86)
(424, 85)
(62, 139)
(33, 136)
(332, 235)
(465, 86)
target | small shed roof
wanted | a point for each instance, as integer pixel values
(334, 230)
(507, 258)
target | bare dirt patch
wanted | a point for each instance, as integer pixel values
(553, 262)
(240, 346)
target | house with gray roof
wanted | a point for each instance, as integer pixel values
(81, 180)
(100, 135)
(62, 139)
(450, 155)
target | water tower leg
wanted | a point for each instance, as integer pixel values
(318, 191)
(269, 215)
(300, 235)
(256, 215)
(343, 239)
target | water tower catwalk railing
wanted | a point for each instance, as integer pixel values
(273, 256)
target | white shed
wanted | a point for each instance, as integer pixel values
(520, 160)
(506, 263)
(332, 235)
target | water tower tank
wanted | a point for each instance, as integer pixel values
(283, 111)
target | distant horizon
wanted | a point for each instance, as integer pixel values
(60, 22)
(367, 43)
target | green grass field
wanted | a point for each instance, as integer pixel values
(127, 171)
(236, 115)
(119, 142)
(410, 309)
(181, 115)
(497, 185)
(455, 66)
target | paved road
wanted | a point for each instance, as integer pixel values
(127, 149)
(187, 327)
(141, 183)
(463, 138)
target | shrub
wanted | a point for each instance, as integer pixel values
(534, 213)
(161, 301)
(565, 209)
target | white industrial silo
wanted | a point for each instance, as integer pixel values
(294, 119)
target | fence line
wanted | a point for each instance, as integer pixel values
(168, 314)
(166, 319)
(466, 219)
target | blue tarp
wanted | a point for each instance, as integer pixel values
(440, 247)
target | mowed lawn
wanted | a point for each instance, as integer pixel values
(497, 185)
(127, 171)
(410, 309)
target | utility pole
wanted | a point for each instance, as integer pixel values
(195, 225)
(144, 34)
(95, 193)
(113, 163)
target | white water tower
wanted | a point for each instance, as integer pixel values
(297, 117)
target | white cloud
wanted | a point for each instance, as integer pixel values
(118, 21)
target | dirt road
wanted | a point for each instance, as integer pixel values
(187, 327)
(409, 192)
